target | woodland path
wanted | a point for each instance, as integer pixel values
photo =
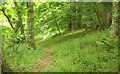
(42, 64)
(42, 39)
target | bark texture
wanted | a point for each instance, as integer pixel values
(107, 14)
(114, 21)
(30, 24)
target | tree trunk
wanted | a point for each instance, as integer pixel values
(119, 27)
(30, 25)
(19, 16)
(114, 21)
(75, 22)
(22, 27)
(22, 32)
(79, 22)
(97, 14)
(107, 14)
(72, 24)
(79, 18)
(19, 24)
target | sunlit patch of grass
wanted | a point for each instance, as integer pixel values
(74, 32)
(51, 40)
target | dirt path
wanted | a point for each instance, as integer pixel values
(38, 42)
(42, 64)
(42, 39)
(45, 62)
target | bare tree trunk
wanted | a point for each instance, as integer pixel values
(22, 27)
(30, 25)
(119, 28)
(22, 32)
(75, 22)
(72, 24)
(114, 21)
(79, 22)
(79, 18)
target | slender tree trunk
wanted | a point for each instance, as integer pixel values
(119, 29)
(22, 32)
(79, 18)
(79, 22)
(107, 14)
(72, 24)
(30, 24)
(19, 16)
(19, 24)
(114, 21)
(97, 13)
(76, 21)
(22, 27)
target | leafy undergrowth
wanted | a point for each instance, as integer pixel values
(22, 60)
(92, 52)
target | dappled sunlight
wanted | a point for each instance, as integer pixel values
(59, 36)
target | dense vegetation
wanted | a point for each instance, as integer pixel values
(59, 36)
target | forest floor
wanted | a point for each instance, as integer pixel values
(81, 51)
(42, 64)
(77, 51)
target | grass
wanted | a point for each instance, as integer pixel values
(83, 53)
(23, 59)
(76, 51)
(53, 39)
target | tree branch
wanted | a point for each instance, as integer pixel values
(15, 3)
(19, 15)
(97, 13)
(7, 18)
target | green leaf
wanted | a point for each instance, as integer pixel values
(100, 43)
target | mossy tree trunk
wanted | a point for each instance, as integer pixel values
(30, 25)
(114, 21)
(107, 14)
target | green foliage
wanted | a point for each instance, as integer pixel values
(9, 38)
(85, 54)
(83, 50)
(107, 43)
(23, 59)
